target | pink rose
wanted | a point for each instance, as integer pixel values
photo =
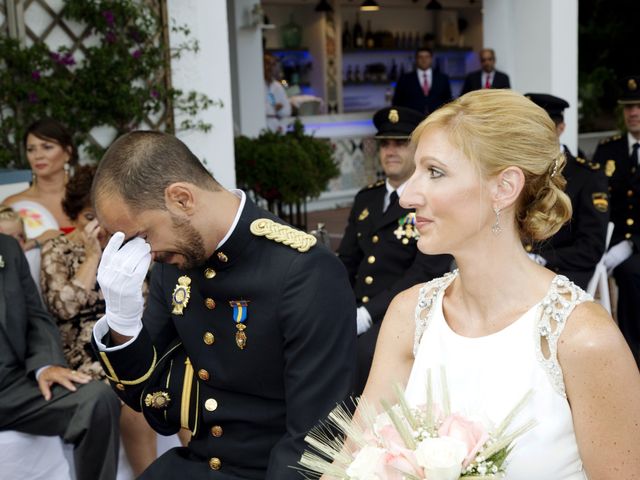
(401, 461)
(472, 434)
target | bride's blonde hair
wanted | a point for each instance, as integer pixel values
(496, 129)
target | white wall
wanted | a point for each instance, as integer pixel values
(536, 43)
(248, 76)
(208, 72)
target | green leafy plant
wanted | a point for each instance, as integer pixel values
(116, 81)
(287, 168)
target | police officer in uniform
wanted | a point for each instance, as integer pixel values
(618, 157)
(379, 244)
(248, 336)
(579, 245)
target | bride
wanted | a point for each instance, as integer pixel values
(489, 175)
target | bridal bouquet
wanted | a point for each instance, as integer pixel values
(427, 442)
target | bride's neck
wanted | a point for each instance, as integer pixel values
(498, 279)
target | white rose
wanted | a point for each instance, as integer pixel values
(441, 457)
(368, 464)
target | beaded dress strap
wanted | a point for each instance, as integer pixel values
(427, 296)
(563, 296)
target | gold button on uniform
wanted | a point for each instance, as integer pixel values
(120, 386)
(405, 241)
(375, 239)
(368, 279)
(208, 338)
(209, 273)
(216, 431)
(210, 404)
(629, 193)
(222, 257)
(629, 221)
(210, 303)
(215, 463)
(203, 374)
(365, 299)
(627, 236)
(371, 259)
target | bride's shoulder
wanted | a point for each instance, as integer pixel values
(590, 331)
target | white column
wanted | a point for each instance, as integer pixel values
(208, 72)
(536, 43)
(247, 71)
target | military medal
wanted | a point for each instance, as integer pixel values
(406, 228)
(240, 308)
(181, 294)
(363, 214)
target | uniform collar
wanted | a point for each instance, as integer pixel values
(238, 237)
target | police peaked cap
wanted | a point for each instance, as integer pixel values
(553, 105)
(396, 122)
(630, 90)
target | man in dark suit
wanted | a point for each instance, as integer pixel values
(379, 244)
(38, 392)
(248, 336)
(618, 157)
(487, 76)
(423, 89)
(579, 245)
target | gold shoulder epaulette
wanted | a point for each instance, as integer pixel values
(610, 139)
(374, 185)
(296, 239)
(594, 166)
(580, 160)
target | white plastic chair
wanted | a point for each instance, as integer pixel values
(599, 282)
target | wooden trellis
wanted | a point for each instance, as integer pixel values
(33, 21)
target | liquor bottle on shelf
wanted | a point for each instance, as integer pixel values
(346, 36)
(396, 40)
(349, 74)
(358, 36)
(368, 39)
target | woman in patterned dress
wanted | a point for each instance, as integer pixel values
(72, 295)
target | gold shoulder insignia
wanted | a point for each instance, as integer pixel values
(363, 214)
(610, 139)
(374, 185)
(580, 160)
(594, 166)
(296, 239)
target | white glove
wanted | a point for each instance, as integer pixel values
(537, 258)
(363, 320)
(121, 274)
(617, 254)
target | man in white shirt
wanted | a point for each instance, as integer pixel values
(277, 104)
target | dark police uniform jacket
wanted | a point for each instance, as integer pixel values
(248, 408)
(579, 245)
(381, 254)
(624, 188)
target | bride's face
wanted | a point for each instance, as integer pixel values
(448, 194)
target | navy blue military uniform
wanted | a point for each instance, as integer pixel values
(379, 247)
(248, 352)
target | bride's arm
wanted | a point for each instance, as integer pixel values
(393, 356)
(603, 387)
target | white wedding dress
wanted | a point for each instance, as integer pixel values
(488, 376)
